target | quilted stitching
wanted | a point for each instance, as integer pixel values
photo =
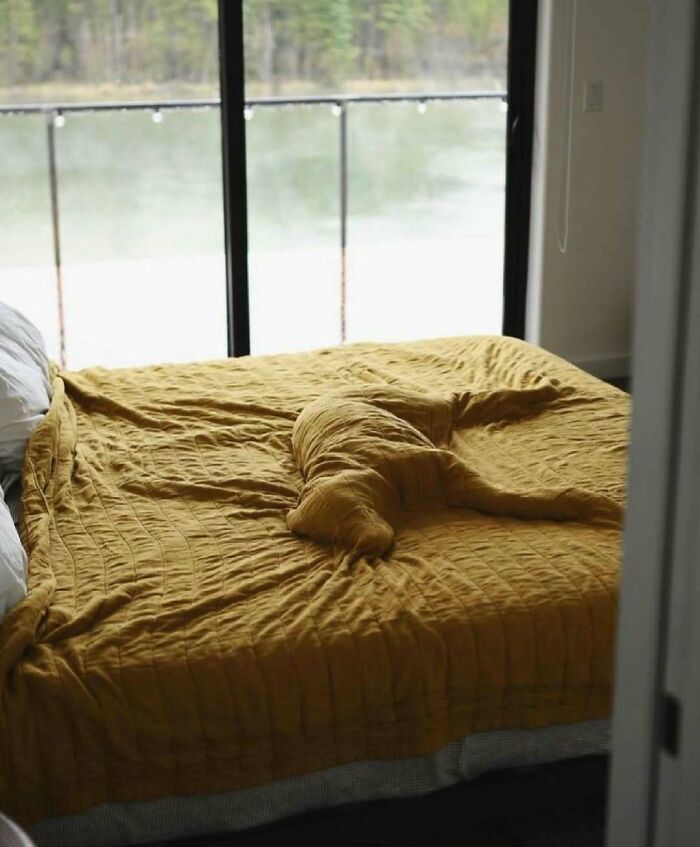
(367, 455)
(179, 639)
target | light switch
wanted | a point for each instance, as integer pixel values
(593, 96)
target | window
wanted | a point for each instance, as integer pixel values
(111, 236)
(376, 174)
(376, 169)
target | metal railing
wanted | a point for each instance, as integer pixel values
(54, 114)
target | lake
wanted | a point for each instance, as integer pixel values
(142, 242)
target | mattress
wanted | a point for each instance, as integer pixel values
(171, 818)
(178, 640)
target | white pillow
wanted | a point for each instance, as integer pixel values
(13, 563)
(11, 484)
(24, 385)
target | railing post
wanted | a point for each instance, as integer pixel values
(343, 218)
(56, 229)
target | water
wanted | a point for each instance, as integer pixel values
(142, 229)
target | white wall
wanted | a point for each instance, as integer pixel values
(580, 300)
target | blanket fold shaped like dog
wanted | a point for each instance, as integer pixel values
(368, 453)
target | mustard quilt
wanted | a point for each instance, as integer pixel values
(183, 634)
(369, 455)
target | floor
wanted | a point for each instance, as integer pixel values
(557, 805)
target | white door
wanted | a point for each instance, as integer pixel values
(655, 787)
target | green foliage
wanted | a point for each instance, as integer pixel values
(321, 42)
(18, 42)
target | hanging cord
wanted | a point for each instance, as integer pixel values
(567, 140)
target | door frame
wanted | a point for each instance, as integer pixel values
(653, 790)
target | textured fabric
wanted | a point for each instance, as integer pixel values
(24, 386)
(368, 455)
(178, 639)
(121, 824)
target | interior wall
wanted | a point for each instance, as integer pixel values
(586, 180)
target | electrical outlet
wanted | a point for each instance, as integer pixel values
(593, 96)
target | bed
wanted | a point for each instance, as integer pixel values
(185, 663)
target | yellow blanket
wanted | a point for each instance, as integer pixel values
(367, 455)
(178, 638)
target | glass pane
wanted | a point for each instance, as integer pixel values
(144, 273)
(426, 220)
(389, 46)
(27, 275)
(108, 50)
(139, 192)
(424, 176)
(294, 263)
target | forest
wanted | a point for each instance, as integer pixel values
(289, 43)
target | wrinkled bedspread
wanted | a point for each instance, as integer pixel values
(178, 638)
(367, 455)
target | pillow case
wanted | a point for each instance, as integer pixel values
(13, 562)
(24, 386)
(11, 484)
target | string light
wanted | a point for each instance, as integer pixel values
(422, 107)
(337, 110)
(59, 120)
(248, 113)
(157, 116)
(504, 105)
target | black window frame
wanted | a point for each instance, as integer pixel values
(520, 125)
(233, 136)
(522, 47)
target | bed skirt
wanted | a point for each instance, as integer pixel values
(121, 824)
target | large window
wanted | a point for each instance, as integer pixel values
(111, 225)
(375, 166)
(376, 169)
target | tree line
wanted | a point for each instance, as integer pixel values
(319, 42)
